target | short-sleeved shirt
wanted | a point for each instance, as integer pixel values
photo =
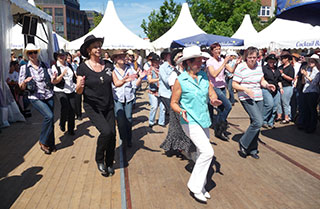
(289, 71)
(14, 76)
(69, 85)
(194, 99)
(220, 80)
(164, 72)
(124, 93)
(272, 77)
(43, 91)
(97, 90)
(249, 78)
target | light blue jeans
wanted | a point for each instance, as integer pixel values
(249, 139)
(270, 106)
(225, 108)
(285, 101)
(154, 102)
(123, 113)
(45, 107)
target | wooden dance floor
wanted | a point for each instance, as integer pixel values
(287, 175)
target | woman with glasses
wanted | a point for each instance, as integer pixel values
(94, 81)
(37, 80)
(125, 82)
(248, 80)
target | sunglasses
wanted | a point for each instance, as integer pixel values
(32, 52)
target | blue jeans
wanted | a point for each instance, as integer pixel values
(45, 107)
(154, 102)
(123, 113)
(285, 101)
(225, 108)
(230, 89)
(270, 106)
(249, 139)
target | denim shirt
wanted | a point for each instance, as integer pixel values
(194, 99)
(164, 72)
(124, 93)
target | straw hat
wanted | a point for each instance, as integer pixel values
(31, 47)
(130, 52)
(232, 53)
(285, 54)
(192, 52)
(89, 40)
(118, 52)
(314, 57)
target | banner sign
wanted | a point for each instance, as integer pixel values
(284, 5)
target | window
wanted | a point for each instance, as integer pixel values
(48, 11)
(264, 11)
(58, 12)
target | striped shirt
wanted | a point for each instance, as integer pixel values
(249, 78)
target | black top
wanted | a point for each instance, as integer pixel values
(272, 77)
(289, 71)
(97, 90)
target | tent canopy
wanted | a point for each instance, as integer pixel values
(306, 11)
(184, 27)
(207, 40)
(116, 35)
(246, 31)
(289, 34)
(23, 7)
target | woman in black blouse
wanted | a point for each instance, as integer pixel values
(287, 74)
(94, 79)
(271, 99)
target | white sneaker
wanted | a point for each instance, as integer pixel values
(207, 195)
(200, 197)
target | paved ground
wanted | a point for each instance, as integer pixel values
(286, 176)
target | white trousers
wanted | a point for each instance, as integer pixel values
(201, 139)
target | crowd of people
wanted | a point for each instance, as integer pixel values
(189, 84)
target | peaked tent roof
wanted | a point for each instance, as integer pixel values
(183, 28)
(116, 35)
(246, 31)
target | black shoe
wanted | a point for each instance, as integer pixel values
(53, 148)
(151, 125)
(71, 132)
(255, 156)
(62, 128)
(242, 151)
(110, 171)
(102, 168)
(79, 117)
(222, 137)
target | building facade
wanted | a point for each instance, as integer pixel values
(68, 20)
(90, 15)
(267, 10)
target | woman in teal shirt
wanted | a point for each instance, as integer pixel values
(190, 96)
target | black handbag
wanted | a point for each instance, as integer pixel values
(31, 86)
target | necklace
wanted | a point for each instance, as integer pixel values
(96, 64)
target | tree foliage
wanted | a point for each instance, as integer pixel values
(161, 21)
(96, 20)
(220, 17)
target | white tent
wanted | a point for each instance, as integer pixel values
(61, 41)
(183, 28)
(289, 34)
(246, 31)
(116, 35)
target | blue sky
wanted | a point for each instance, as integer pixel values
(130, 12)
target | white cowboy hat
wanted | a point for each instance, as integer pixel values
(192, 52)
(31, 47)
(232, 53)
(315, 57)
(130, 52)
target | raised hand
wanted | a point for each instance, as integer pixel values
(27, 80)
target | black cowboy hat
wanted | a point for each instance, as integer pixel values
(155, 57)
(271, 57)
(150, 55)
(57, 53)
(89, 40)
(174, 54)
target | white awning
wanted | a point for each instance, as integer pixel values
(22, 7)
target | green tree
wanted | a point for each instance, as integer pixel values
(220, 17)
(96, 20)
(161, 21)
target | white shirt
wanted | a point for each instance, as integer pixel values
(14, 76)
(69, 85)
